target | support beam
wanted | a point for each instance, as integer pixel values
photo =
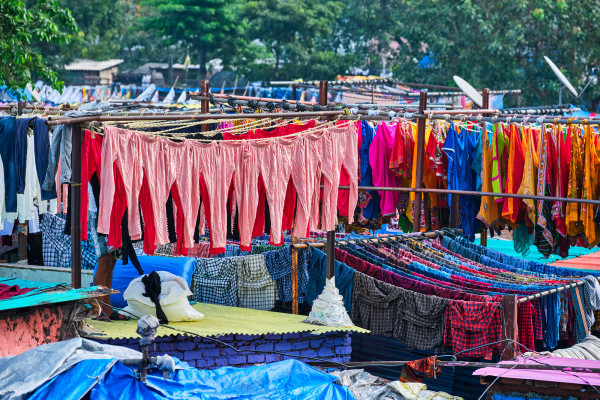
(204, 104)
(485, 105)
(421, 124)
(509, 306)
(75, 194)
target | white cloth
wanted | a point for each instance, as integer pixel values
(25, 200)
(92, 203)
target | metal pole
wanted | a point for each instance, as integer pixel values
(75, 188)
(294, 92)
(485, 94)
(204, 104)
(417, 205)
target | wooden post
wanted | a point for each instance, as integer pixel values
(204, 104)
(580, 313)
(76, 208)
(294, 92)
(294, 276)
(323, 87)
(421, 124)
(509, 305)
(486, 105)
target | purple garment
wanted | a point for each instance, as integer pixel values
(379, 158)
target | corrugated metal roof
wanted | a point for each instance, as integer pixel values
(46, 293)
(589, 261)
(220, 321)
(91, 65)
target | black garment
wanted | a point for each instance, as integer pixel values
(127, 248)
(152, 285)
(171, 220)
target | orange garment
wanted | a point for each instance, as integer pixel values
(514, 175)
(530, 172)
(590, 187)
(575, 187)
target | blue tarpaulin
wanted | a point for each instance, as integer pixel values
(288, 379)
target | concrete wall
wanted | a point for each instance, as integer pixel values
(43, 274)
(205, 353)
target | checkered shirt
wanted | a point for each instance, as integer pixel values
(256, 288)
(420, 321)
(472, 324)
(215, 281)
(56, 246)
(279, 265)
(375, 304)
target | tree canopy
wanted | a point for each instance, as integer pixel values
(498, 44)
(22, 25)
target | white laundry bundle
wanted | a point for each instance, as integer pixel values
(173, 299)
(328, 309)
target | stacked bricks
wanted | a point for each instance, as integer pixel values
(207, 354)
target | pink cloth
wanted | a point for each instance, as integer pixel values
(379, 158)
(120, 148)
(192, 170)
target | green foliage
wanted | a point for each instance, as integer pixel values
(497, 44)
(200, 25)
(296, 33)
(22, 24)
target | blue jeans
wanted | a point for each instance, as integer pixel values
(8, 130)
(41, 137)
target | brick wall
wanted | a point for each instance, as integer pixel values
(205, 353)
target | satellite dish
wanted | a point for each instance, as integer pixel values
(469, 90)
(561, 77)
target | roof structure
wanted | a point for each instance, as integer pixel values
(47, 293)
(220, 321)
(91, 65)
(589, 261)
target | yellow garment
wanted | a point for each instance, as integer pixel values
(590, 187)
(489, 211)
(429, 177)
(529, 182)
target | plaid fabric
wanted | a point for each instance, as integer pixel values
(375, 304)
(56, 246)
(215, 282)
(420, 321)
(200, 250)
(279, 265)
(471, 324)
(256, 288)
(526, 334)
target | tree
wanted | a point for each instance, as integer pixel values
(22, 24)
(497, 44)
(203, 25)
(294, 32)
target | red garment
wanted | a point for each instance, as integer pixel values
(91, 153)
(344, 194)
(415, 371)
(6, 291)
(470, 325)
(526, 334)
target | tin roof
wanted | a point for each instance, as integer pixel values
(567, 370)
(91, 65)
(222, 320)
(46, 293)
(589, 261)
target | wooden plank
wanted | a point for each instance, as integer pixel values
(509, 305)
(580, 313)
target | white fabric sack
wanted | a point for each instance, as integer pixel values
(173, 299)
(328, 309)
